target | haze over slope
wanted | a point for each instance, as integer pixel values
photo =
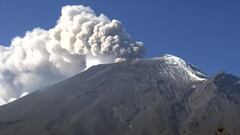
(163, 95)
(79, 40)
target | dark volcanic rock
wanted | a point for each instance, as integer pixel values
(160, 96)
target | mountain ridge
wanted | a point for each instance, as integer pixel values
(137, 97)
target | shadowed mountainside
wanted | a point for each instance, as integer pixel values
(159, 96)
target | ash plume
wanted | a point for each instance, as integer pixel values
(79, 40)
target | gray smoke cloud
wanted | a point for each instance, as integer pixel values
(79, 40)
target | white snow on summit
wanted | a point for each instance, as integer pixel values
(182, 65)
(2, 101)
(177, 69)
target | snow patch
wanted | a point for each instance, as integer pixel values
(24, 94)
(2, 101)
(195, 74)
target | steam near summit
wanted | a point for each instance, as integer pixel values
(51, 72)
(79, 40)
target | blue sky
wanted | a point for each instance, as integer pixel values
(205, 33)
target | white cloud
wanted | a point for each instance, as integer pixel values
(79, 39)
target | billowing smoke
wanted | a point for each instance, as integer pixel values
(79, 40)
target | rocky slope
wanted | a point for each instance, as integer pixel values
(158, 96)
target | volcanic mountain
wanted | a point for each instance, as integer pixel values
(152, 96)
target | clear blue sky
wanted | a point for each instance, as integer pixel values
(205, 33)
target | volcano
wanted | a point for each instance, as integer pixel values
(152, 96)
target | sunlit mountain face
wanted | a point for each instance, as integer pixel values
(162, 95)
(86, 75)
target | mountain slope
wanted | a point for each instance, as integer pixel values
(163, 95)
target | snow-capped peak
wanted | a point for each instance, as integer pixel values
(192, 70)
(177, 67)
